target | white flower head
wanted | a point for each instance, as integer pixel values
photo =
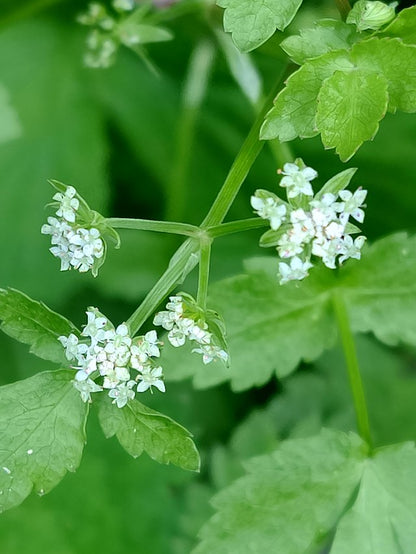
(269, 207)
(297, 180)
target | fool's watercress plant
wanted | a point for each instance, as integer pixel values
(250, 326)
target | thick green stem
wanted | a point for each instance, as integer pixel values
(344, 8)
(151, 225)
(184, 260)
(353, 368)
(203, 280)
(237, 227)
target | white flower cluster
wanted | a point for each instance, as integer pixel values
(184, 324)
(110, 355)
(102, 41)
(74, 245)
(310, 225)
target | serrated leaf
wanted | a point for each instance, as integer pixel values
(350, 106)
(403, 27)
(252, 22)
(327, 35)
(42, 434)
(397, 63)
(289, 499)
(33, 323)
(271, 328)
(294, 111)
(140, 429)
(382, 519)
(338, 182)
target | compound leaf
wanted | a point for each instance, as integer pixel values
(252, 22)
(42, 434)
(140, 429)
(350, 106)
(288, 500)
(33, 323)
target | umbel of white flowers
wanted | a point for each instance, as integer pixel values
(185, 321)
(76, 246)
(110, 359)
(309, 225)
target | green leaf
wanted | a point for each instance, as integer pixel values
(42, 434)
(338, 182)
(350, 106)
(371, 14)
(294, 111)
(139, 429)
(252, 22)
(133, 34)
(10, 124)
(272, 328)
(288, 500)
(382, 519)
(397, 62)
(294, 499)
(327, 35)
(33, 323)
(403, 27)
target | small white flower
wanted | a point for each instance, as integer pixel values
(164, 319)
(334, 230)
(296, 270)
(351, 248)
(69, 204)
(95, 327)
(297, 181)
(269, 208)
(211, 352)
(351, 205)
(122, 393)
(328, 250)
(287, 247)
(151, 378)
(325, 210)
(86, 387)
(123, 5)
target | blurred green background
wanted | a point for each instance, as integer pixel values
(116, 135)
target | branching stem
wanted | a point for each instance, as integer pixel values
(204, 265)
(151, 225)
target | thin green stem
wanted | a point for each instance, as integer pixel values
(203, 279)
(185, 259)
(236, 227)
(194, 92)
(246, 157)
(151, 225)
(353, 367)
(344, 8)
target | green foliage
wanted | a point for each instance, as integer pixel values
(139, 429)
(10, 125)
(252, 22)
(292, 499)
(272, 328)
(326, 36)
(404, 26)
(42, 434)
(35, 324)
(276, 508)
(346, 123)
(342, 94)
(371, 14)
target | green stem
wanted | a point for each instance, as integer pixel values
(236, 227)
(193, 95)
(151, 225)
(203, 280)
(344, 8)
(353, 368)
(184, 260)
(251, 148)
